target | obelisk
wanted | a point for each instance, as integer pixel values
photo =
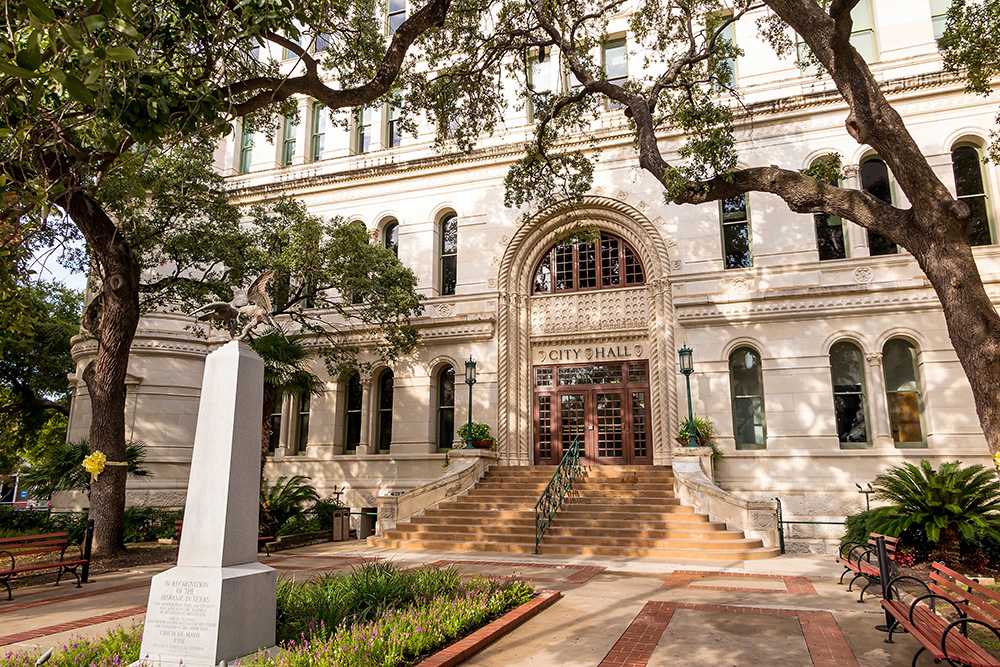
(218, 603)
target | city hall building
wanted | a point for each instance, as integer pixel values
(820, 351)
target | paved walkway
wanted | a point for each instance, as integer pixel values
(615, 612)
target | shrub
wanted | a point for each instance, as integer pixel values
(60, 468)
(300, 524)
(285, 499)
(945, 505)
(146, 524)
(33, 522)
(323, 510)
(363, 595)
(479, 431)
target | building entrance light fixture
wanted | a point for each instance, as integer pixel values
(470, 379)
(686, 355)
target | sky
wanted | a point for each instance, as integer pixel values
(46, 266)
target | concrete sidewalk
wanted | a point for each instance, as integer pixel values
(615, 611)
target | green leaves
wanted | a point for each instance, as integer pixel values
(40, 10)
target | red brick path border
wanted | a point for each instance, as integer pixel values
(583, 574)
(793, 585)
(465, 648)
(824, 639)
(71, 625)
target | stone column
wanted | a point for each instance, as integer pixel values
(877, 408)
(364, 446)
(219, 602)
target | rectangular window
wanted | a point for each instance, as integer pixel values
(541, 79)
(830, 236)
(939, 16)
(296, 39)
(727, 78)
(246, 152)
(397, 14)
(289, 127)
(449, 254)
(317, 140)
(302, 427)
(736, 246)
(363, 130)
(615, 57)
(322, 42)
(862, 38)
(393, 130)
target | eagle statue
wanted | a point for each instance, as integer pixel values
(251, 304)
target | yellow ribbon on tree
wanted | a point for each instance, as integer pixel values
(94, 464)
(996, 459)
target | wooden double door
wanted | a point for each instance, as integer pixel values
(606, 405)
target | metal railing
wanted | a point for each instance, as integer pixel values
(552, 497)
(782, 523)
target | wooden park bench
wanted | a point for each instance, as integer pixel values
(262, 540)
(944, 638)
(861, 559)
(14, 548)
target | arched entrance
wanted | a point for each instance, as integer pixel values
(595, 363)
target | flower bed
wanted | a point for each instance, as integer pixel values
(379, 616)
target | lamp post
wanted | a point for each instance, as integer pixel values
(687, 367)
(470, 379)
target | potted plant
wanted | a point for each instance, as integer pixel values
(704, 436)
(481, 438)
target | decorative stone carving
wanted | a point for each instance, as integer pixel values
(622, 195)
(443, 309)
(495, 261)
(670, 240)
(850, 170)
(675, 265)
(504, 240)
(638, 350)
(599, 190)
(643, 206)
(658, 221)
(863, 274)
(739, 286)
(590, 311)
(491, 283)
(873, 358)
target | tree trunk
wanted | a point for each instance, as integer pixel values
(105, 374)
(973, 325)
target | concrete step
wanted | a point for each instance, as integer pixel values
(745, 553)
(708, 532)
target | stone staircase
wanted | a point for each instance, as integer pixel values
(611, 511)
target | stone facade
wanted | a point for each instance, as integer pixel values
(789, 306)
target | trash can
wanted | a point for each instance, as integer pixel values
(341, 525)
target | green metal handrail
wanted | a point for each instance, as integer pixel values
(551, 499)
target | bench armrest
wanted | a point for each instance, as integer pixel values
(935, 596)
(864, 549)
(848, 546)
(8, 555)
(892, 581)
(964, 622)
(62, 554)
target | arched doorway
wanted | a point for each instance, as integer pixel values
(594, 360)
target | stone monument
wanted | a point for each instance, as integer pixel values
(218, 604)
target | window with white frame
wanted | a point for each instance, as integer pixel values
(445, 407)
(970, 187)
(847, 375)
(615, 60)
(352, 411)
(317, 135)
(904, 396)
(737, 248)
(541, 78)
(448, 254)
(747, 386)
(876, 180)
(863, 38)
(396, 15)
(363, 130)
(289, 127)
(939, 16)
(246, 152)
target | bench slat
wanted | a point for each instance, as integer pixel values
(42, 566)
(970, 603)
(32, 538)
(927, 628)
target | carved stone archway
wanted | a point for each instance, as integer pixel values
(532, 240)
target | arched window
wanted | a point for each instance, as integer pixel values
(848, 378)
(876, 181)
(580, 266)
(352, 412)
(903, 395)
(385, 381)
(449, 253)
(970, 186)
(390, 237)
(446, 407)
(830, 241)
(747, 386)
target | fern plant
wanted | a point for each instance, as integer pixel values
(948, 503)
(286, 498)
